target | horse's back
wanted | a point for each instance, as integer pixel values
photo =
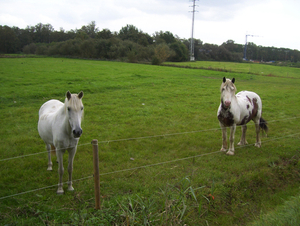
(47, 114)
(250, 106)
(249, 97)
(49, 107)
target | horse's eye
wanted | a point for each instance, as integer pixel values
(69, 109)
(81, 108)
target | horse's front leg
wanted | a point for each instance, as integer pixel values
(224, 138)
(72, 153)
(231, 140)
(59, 154)
(243, 137)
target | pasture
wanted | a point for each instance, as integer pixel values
(159, 142)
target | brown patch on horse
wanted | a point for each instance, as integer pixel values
(226, 118)
(252, 114)
(249, 99)
(245, 120)
(255, 108)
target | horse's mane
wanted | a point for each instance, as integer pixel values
(74, 102)
(227, 83)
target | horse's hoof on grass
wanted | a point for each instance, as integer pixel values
(230, 153)
(71, 189)
(257, 145)
(60, 192)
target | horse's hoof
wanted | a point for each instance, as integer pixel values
(60, 191)
(230, 153)
(49, 168)
(71, 189)
(257, 145)
(242, 143)
(223, 149)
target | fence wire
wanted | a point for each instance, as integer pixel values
(140, 138)
(145, 166)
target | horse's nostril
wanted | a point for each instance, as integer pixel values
(77, 133)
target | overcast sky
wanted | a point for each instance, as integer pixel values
(276, 22)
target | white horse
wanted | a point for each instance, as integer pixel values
(60, 127)
(239, 109)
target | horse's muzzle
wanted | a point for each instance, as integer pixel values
(227, 103)
(77, 133)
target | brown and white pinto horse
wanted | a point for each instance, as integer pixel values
(239, 109)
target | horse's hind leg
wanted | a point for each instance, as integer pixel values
(257, 128)
(48, 147)
(243, 137)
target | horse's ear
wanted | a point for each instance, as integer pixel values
(68, 95)
(80, 95)
(233, 80)
(224, 80)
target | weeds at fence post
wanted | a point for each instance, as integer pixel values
(96, 173)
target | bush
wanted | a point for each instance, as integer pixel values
(29, 49)
(155, 61)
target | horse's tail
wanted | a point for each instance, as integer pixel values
(263, 125)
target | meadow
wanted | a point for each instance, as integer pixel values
(159, 142)
(249, 68)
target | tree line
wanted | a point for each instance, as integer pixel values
(129, 44)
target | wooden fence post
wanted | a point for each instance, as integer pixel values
(96, 173)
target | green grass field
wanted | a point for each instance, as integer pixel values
(173, 172)
(249, 68)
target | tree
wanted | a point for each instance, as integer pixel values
(104, 34)
(161, 53)
(181, 52)
(90, 29)
(232, 47)
(130, 33)
(8, 40)
(42, 33)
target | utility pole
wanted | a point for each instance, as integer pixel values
(192, 56)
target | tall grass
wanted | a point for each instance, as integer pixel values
(167, 176)
(286, 214)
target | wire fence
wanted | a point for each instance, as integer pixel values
(145, 137)
(149, 165)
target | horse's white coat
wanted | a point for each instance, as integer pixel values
(60, 127)
(238, 109)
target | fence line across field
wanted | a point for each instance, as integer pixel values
(145, 166)
(140, 138)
